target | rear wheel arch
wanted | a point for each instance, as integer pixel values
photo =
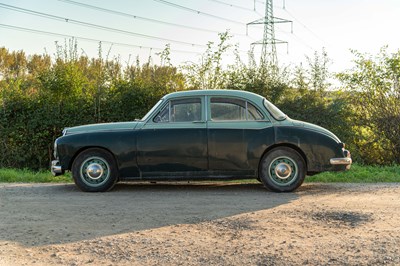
(282, 169)
(287, 145)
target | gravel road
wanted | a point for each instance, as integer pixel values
(200, 224)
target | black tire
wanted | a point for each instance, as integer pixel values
(95, 170)
(282, 170)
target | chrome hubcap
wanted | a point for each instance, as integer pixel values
(94, 171)
(283, 170)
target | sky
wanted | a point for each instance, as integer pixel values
(141, 28)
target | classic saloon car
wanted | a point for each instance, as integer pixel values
(197, 135)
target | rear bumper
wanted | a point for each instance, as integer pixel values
(56, 168)
(341, 161)
(345, 161)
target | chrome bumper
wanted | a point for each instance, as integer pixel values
(56, 168)
(341, 161)
(347, 161)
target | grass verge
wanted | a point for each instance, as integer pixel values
(28, 176)
(360, 174)
(357, 174)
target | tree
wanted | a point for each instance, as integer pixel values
(208, 73)
(318, 71)
(375, 89)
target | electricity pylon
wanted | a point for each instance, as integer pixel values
(268, 52)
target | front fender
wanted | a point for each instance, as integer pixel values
(122, 144)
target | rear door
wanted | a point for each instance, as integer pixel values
(238, 134)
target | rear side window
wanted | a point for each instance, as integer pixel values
(227, 109)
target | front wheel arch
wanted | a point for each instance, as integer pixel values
(95, 170)
(71, 161)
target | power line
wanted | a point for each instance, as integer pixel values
(198, 12)
(292, 34)
(232, 5)
(302, 24)
(12, 27)
(86, 24)
(268, 51)
(290, 14)
(119, 13)
(298, 21)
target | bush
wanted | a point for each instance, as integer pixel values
(375, 98)
(37, 103)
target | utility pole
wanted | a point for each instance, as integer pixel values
(268, 51)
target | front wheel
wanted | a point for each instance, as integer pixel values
(95, 170)
(282, 170)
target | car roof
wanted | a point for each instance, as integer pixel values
(227, 93)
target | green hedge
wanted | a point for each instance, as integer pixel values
(36, 104)
(40, 96)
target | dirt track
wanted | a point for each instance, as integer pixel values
(200, 224)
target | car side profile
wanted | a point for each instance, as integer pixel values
(200, 135)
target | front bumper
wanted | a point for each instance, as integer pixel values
(345, 161)
(56, 168)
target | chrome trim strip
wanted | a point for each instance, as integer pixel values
(206, 104)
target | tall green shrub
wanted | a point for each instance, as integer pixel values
(40, 97)
(375, 89)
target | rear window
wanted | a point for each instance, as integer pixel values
(274, 111)
(226, 109)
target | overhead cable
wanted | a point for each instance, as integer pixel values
(119, 13)
(302, 24)
(232, 5)
(199, 12)
(12, 27)
(86, 24)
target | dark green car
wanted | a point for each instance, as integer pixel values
(197, 135)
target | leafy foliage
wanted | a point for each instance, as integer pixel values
(40, 97)
(375, 99)
(309, 99)
(208, 73)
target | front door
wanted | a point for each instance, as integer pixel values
(174, 141)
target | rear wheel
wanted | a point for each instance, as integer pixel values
(95, 170)
(282, 170)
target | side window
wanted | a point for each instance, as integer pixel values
(233, 109)
(227, 109)
(182, 110)
(253, 113)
